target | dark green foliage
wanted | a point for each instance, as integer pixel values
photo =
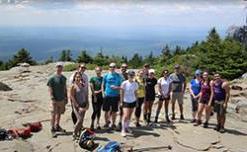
(65, 56)
(136, 61)
(84, 57)
(20, 57)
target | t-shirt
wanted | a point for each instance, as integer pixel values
(177, 81)
(129, 91)
(124, 75)
(58, 86)
(195, 86)
(141, 88)
(112, 79)
(165, 83)
(150, 86)
(97, 82)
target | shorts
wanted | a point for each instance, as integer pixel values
(177, 96)
(218, 108)
(194, 103)
(204, 101)
(161, 98)
(111, 103)
(58, 107)
(83, 105)
(150, 97)
(129, 105)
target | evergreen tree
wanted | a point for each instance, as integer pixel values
(84, 57)
(20, 57)
(62, 56)
(136, 61)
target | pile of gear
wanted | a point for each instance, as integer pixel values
(24, 132)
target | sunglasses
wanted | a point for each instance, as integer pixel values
(112, 67)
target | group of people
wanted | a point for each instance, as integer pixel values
(129, 92)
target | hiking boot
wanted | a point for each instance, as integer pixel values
(182, 117)
(113, 127)
(92, 127)
(98, 127)
(205, 125)
(198, 123)
(106, 125)
(173, 117)
(60, 129)
(138, 124)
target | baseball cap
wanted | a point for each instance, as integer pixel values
(59, 64)
(151, 71)
(112, 64)
(198, 72)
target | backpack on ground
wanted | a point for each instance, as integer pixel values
(34, 126)
(111, 146)
(4, 134)
(86, 140)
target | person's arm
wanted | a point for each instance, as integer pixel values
(185, 85)
(51, 94)
(191, 91)
(122, 94)
(226, 87)
(212, 93)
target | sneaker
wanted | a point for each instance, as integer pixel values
(182, 117)
(193, 121)
(222, 130)
(113, 127)
(156, 120)
(198, 123)
(167, 119)
(173, 117)
(217, 128)
(106, 125)
(138, 124)
(92, 127)
(205, 125)
(60, 129)
(123, 133)
(53, 133)
(98, 127)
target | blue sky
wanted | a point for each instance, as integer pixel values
(173, 14)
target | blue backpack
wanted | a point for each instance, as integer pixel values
(111, 146)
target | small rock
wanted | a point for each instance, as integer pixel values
(244, 76)
(4, 87)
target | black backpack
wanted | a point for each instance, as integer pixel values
(4, 134)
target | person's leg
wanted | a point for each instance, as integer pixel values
(78, 123)
(148, 115)
(130, 111)
(94, 105)
(106, 109)
(124, 120)
(173, 101)
(145, 111)
(99, 113)
(150, 110)
(160, 103)
(53, 116)
(114, 108)
(194, 103)
(207, 115)
(180, 103)
(120, 117)
(199, 114)
(222, 118)
(138, 110)
(166, 105)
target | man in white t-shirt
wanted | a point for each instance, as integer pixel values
(164, 87)
(128, 99)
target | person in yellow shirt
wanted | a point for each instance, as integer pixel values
(140, 94)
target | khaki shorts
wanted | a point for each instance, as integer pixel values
(58, 107)
(177, 96)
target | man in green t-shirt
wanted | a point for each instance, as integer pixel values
(97, 97)
(58, 95)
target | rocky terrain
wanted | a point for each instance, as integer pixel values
(27, 100)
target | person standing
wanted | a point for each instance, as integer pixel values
(58, 95)
(97, 97)
(81, 69)
(195, 89)
(140, 96)
(221, 97)
(164, 88)
(111, 88)
(205, 100)
(124, 75)
(151, 81)
(128, 101)
(178, 86)
(79, 102)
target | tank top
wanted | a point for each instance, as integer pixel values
(80, 94)
(206, 91)
(219, 92)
